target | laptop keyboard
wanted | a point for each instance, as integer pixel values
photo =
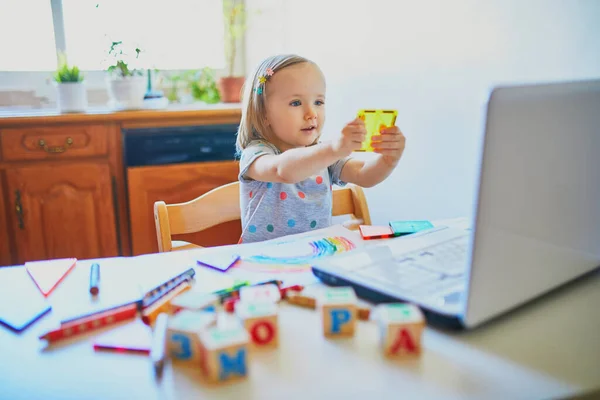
(429, 271)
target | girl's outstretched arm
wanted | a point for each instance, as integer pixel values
(296, 165)
(390, 145)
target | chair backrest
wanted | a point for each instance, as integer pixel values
(222, 205)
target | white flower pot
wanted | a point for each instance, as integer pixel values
(71, 96)
(126, 93)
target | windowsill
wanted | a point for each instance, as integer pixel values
(50, 111)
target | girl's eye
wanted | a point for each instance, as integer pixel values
(319, 102)
(295, 103)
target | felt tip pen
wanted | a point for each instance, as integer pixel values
(95, 279)
(159, 338)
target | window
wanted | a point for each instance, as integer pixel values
(26, 36)
(174, 34)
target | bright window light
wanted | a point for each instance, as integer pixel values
(174, 34)
(26, 36)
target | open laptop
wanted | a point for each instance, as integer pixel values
(536, 223)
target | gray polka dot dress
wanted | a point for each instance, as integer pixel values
(271, 210)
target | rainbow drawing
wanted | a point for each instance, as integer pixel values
(294, 256)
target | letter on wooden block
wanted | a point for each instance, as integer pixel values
(183, 340)
(401, 327)
(224, 352)
(195, 301)
(338, 311)
(269, 293)
(260, 320)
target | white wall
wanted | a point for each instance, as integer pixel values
(435, 61)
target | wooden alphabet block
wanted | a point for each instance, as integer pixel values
(183, 335)
(268, 292)
(401, 326)
(224, 352)
(299, 298)
(195, 301)
(337, 306)
(260, 320)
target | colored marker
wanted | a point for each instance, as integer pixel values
(163, 305)
(159, 337)
(154, 294)
(225, 294)
(82, 317)
(95, 279)
(89, 324)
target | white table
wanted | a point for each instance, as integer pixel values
(547, 349)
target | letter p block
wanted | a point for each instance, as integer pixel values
(337, 306)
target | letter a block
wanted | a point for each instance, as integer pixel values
(183, 335)
(401, 327)
(260, 320)
(224, 353)
(338, 311)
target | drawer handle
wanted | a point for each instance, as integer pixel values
(19, 209)
(56, 149)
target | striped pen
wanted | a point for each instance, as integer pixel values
(159, 291)
(163, 304)
(91, 323)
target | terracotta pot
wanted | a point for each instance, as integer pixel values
(230, 88)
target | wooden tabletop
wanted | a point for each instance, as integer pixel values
(548, 349)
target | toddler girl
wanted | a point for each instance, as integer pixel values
(286, 173)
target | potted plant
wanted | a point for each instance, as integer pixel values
(126, 84)
(192, 85)
(71, 94)
(230, 85)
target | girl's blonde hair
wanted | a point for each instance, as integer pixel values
(252, 125)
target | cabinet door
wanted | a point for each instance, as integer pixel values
(62, 211)
(176, 184)
(5, 254)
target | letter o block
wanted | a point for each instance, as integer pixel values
(401, 327)
(337, 306)
(260, 320)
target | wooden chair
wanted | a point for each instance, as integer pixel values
(222, 204)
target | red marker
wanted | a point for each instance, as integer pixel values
(89, 324)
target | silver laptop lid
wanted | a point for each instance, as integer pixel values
(537, 224)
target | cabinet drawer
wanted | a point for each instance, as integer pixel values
(41, 143)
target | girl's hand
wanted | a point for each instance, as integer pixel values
(353, 134)
(390, 144)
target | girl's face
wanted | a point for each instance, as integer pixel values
(295, 105)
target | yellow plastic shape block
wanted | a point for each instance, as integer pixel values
(375, 121)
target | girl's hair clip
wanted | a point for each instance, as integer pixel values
(262, 80)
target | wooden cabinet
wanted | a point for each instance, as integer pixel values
(62, 210)
(50, 143)
(175, 184)
(5, 253)
(64, 189)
